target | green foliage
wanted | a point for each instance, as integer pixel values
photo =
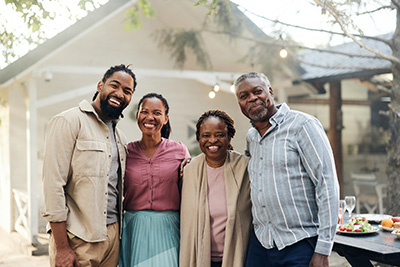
(212, 7)
(34, 14)
(83, 4)
(226, 19)
(178, 42)
(132, 15)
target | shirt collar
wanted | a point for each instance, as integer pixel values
(278, 117)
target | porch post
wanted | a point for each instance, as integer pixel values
(32, 161)
(336, 126)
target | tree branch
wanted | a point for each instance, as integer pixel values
(316, 30)
(293, 46)
(351, 36)
(336, 67)
(375, 10)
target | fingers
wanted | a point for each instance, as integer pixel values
(77, 263)
(182, 166)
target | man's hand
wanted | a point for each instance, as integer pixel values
(66, 257)
(182, 166)
(319, 260)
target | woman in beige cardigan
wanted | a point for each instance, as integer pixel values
(215, 208)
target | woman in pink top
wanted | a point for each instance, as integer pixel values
(150, 234)
(216, 209)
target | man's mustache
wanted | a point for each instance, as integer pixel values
(257, 103)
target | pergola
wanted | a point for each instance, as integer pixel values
(349, 62)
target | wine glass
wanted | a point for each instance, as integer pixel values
(342, 210)
(350, 204)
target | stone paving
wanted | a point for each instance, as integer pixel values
(9, 257)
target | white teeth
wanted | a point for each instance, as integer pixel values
(114, 101)
(213, 148)
(149, 125)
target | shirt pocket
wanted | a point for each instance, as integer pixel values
(90, 158)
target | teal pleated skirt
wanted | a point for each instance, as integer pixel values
(150, 239)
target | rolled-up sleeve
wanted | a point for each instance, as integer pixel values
(59, 147)
(317, 156)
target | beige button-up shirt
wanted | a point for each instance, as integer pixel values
(75, 171)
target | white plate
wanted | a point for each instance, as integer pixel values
(383, 228)
(357, 233)
(377, 218)
(396, 233)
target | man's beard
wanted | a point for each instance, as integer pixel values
(110, 111)
(258, 116)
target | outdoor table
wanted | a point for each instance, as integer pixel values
(359, 250)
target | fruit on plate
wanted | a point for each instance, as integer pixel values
(396, 219)
(396, 225)
(387, 222)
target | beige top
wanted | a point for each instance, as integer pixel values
(195, 246)
(75, 171)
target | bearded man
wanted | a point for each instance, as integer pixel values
(83, 174)
(293, 182)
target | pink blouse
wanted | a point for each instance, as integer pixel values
(218, 210)
(152, 184)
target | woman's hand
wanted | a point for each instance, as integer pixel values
(182, 166)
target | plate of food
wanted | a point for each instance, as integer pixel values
(357, 226)
(396, 233)
(374, 218)
(390, 224)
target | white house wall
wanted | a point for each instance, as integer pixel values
(5, 179)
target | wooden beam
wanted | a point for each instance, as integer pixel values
(336, 126)
(327, 101)
(369, 85)
(68, 95)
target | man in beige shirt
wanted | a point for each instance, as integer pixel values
(83, 174)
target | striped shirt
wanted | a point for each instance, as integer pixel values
(294, 187)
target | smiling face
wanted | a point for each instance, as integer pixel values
(214, 141)
(151, 116)
(114, 95)
(256, 99)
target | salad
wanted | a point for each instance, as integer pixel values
(357, 225)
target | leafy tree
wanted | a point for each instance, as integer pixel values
(32, 16)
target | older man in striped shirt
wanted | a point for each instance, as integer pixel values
(294, 187)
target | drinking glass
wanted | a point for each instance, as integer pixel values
(350, 204)
(342, 209)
